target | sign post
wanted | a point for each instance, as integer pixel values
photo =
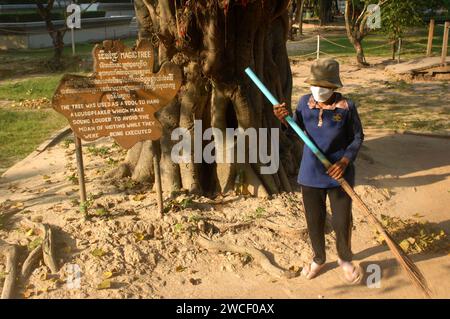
(81, 180)
(157, 172)
(118, 100)
(73, 41)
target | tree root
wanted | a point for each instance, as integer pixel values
(10, 253)
(31, 261)
(291, 232)
(256, 254)
(47, 243)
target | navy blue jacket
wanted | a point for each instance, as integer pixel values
(339, 133)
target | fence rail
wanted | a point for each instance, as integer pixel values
(400, 46)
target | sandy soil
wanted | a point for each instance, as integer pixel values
(127, 251)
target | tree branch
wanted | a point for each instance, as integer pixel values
(363, 13)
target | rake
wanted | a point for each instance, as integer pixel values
(405, 262)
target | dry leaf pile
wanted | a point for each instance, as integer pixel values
(415, 236)
(34, 104)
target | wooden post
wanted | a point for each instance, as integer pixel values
(318, 46)
(430, 37)
(80, 165)
(157, 172)
(445, 42)
(73, 40)
(399, 49)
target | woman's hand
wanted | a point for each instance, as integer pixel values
(281, 112)
(337, 170)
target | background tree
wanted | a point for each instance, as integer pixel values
(57, 34)
(297, 7)
(45, 10)
(356, 16)
(325, 11)
(299, 15)
(397, 15)
(213, 41)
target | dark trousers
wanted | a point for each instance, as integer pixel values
(314, 201)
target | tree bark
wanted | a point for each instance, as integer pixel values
(57, 35)
(360, 57)
(394, 49)
(355, 31)
(299, 17)
(325, 11)
(213, 42)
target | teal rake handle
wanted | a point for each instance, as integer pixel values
(289, 119)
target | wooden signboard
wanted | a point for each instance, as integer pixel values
(121, 97)
(118, 100)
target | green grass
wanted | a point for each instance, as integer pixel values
(414, 44)
(404, 110)
(31, 88)
(21, 131)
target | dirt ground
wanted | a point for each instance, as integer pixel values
(125, 250)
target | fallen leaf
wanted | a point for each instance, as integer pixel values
(101, 212)
(107, 274)
(405, 245)
(139, 237)
(105, 284)
(34, 244)
(98, 253)
(180, 268)
(139, 197)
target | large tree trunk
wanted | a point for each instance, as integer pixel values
(213, 42)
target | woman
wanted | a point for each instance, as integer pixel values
(333, 124)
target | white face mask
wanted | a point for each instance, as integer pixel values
(321, 94)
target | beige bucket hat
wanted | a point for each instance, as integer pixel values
(325, 73)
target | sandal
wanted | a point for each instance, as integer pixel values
(312, 270)
(352, 273)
